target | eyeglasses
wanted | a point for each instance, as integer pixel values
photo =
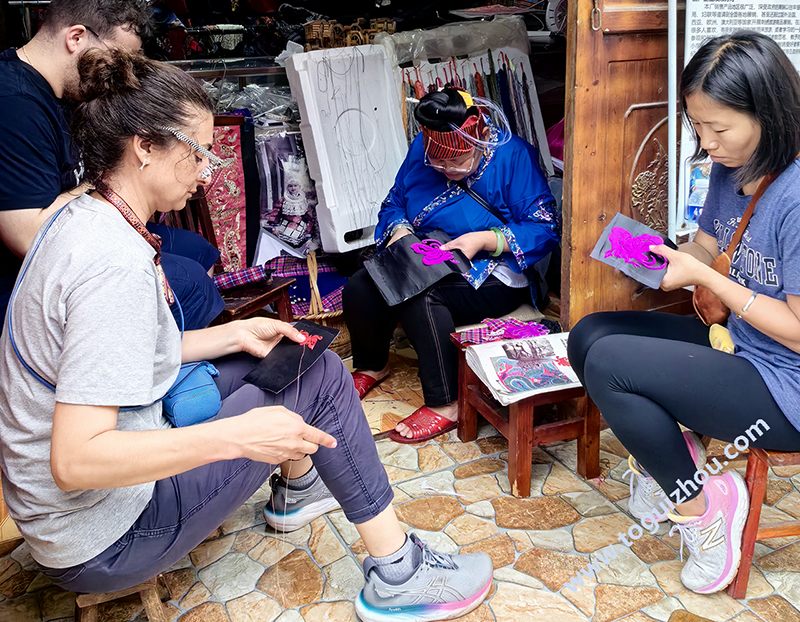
(98, 37)
(214, 161)
(452, 169)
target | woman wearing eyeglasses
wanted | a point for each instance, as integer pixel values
(105, 491)
(459, 144)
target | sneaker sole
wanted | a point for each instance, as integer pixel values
(734, 536)
(420, 613)
(292, 521)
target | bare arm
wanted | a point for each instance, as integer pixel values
(703, 247)
(19, 227)
(86, 448)
(256, 336)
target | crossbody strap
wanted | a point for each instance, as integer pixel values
(482, 202)
(748, 213)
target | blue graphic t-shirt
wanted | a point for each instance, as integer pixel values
(767, 262)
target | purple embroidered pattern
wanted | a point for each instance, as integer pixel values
(635, 250)
(431, 252)
(532, 329)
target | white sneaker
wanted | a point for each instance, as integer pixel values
(714, 539)
(647, 497)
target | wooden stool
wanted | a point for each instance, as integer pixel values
(86, 604)
(518, 424)
(244, 300)
(758, 463)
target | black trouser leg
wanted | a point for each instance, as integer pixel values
(370, 322)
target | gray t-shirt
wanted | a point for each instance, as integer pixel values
(91, 318)
(767, 261)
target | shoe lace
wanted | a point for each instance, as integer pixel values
(649, 486)
(435, 558)
(689, 537)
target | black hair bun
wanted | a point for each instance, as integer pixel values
(105, 73)
(440, 110)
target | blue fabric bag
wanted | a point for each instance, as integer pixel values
(193, 397)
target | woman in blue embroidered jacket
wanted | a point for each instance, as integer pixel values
(458, 143)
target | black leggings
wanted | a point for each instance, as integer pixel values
(649, 371)
(428, 319)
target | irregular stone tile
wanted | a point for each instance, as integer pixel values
(466, 528)
(594, 533)
(396, 475)
(615, 601)
(787, 471)
(245, 517)
(790, 504)
(561, 480)
(482, 508)
(521, 539)
(298, 538)
(776, 490)
(774, 609)
(432, 458)
(8, 568)
(197, 595)
(344, 579)
(183, 562)
(590, 503)
(492, 445)
(651, 550)
(330, 612)
(359, 548)
(786, 584)
(231, 577)
(171, 613)
(479, 467)
(121, 610)
(434, 484)
(209, 552)
(613, 446)
(399, 496)
(582, 596)
(540, 513)
(17, 584)
(552, 568)
(515, 576)
(785, 559)
(463, 452)
(24, 609)
(22, 555)
(663, 610)
(610, 488)
(217, 533)
(476, 489)
(429, 513)
(668, 575)
(209, 612)
(40, 582)
(397, 455)
(609, 460)
(539, 474)
(253, 607)
(523, 604)
(499, 548)
(438, 540)
(245, 541)
(261, 495)
(345, 528)
(270, 551)
(746, 616)
(774, 515)
(717, 607)
(481, 614)
(179, 581)
(757, 586)
(323, 543)
(625, 569)
(294, 581)
(674, 542)
(290, 616)
(566, 453)
(57, 604)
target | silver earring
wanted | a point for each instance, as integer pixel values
(144, 163)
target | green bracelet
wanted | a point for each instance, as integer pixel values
(501, 242)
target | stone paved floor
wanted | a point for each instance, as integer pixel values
(455, 495)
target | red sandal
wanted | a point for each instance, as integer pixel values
(364, 383)
(425, 425)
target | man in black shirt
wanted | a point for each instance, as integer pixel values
(39, 168)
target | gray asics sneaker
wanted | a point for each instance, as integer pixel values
(647, 498)
(289, 509)
(442, 588)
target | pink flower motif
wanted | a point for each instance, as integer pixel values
(432, 252)
(635, 250)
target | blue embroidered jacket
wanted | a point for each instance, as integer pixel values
(508, 178)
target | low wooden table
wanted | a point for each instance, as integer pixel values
(518, 424)
(242, 301)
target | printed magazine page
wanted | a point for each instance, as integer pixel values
(516, 369)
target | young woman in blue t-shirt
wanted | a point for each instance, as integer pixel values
(649, 372)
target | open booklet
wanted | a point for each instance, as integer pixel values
(516, 369)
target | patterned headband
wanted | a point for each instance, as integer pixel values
(452, 144)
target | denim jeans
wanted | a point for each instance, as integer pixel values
(186, 508)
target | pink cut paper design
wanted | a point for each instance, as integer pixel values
(431, 252)
(635, 250)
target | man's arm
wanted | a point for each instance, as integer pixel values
(19, 227)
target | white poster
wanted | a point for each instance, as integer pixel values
(710, 18)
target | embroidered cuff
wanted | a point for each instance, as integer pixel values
(391, 228)
(519, 254)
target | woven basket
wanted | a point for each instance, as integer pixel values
(334, 319)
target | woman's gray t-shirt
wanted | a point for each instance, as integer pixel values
(767, 261)
(91, 318)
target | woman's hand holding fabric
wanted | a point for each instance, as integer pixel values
(684, 269)
(473, 242)
(257, 336)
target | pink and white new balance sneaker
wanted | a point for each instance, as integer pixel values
(714, 539)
